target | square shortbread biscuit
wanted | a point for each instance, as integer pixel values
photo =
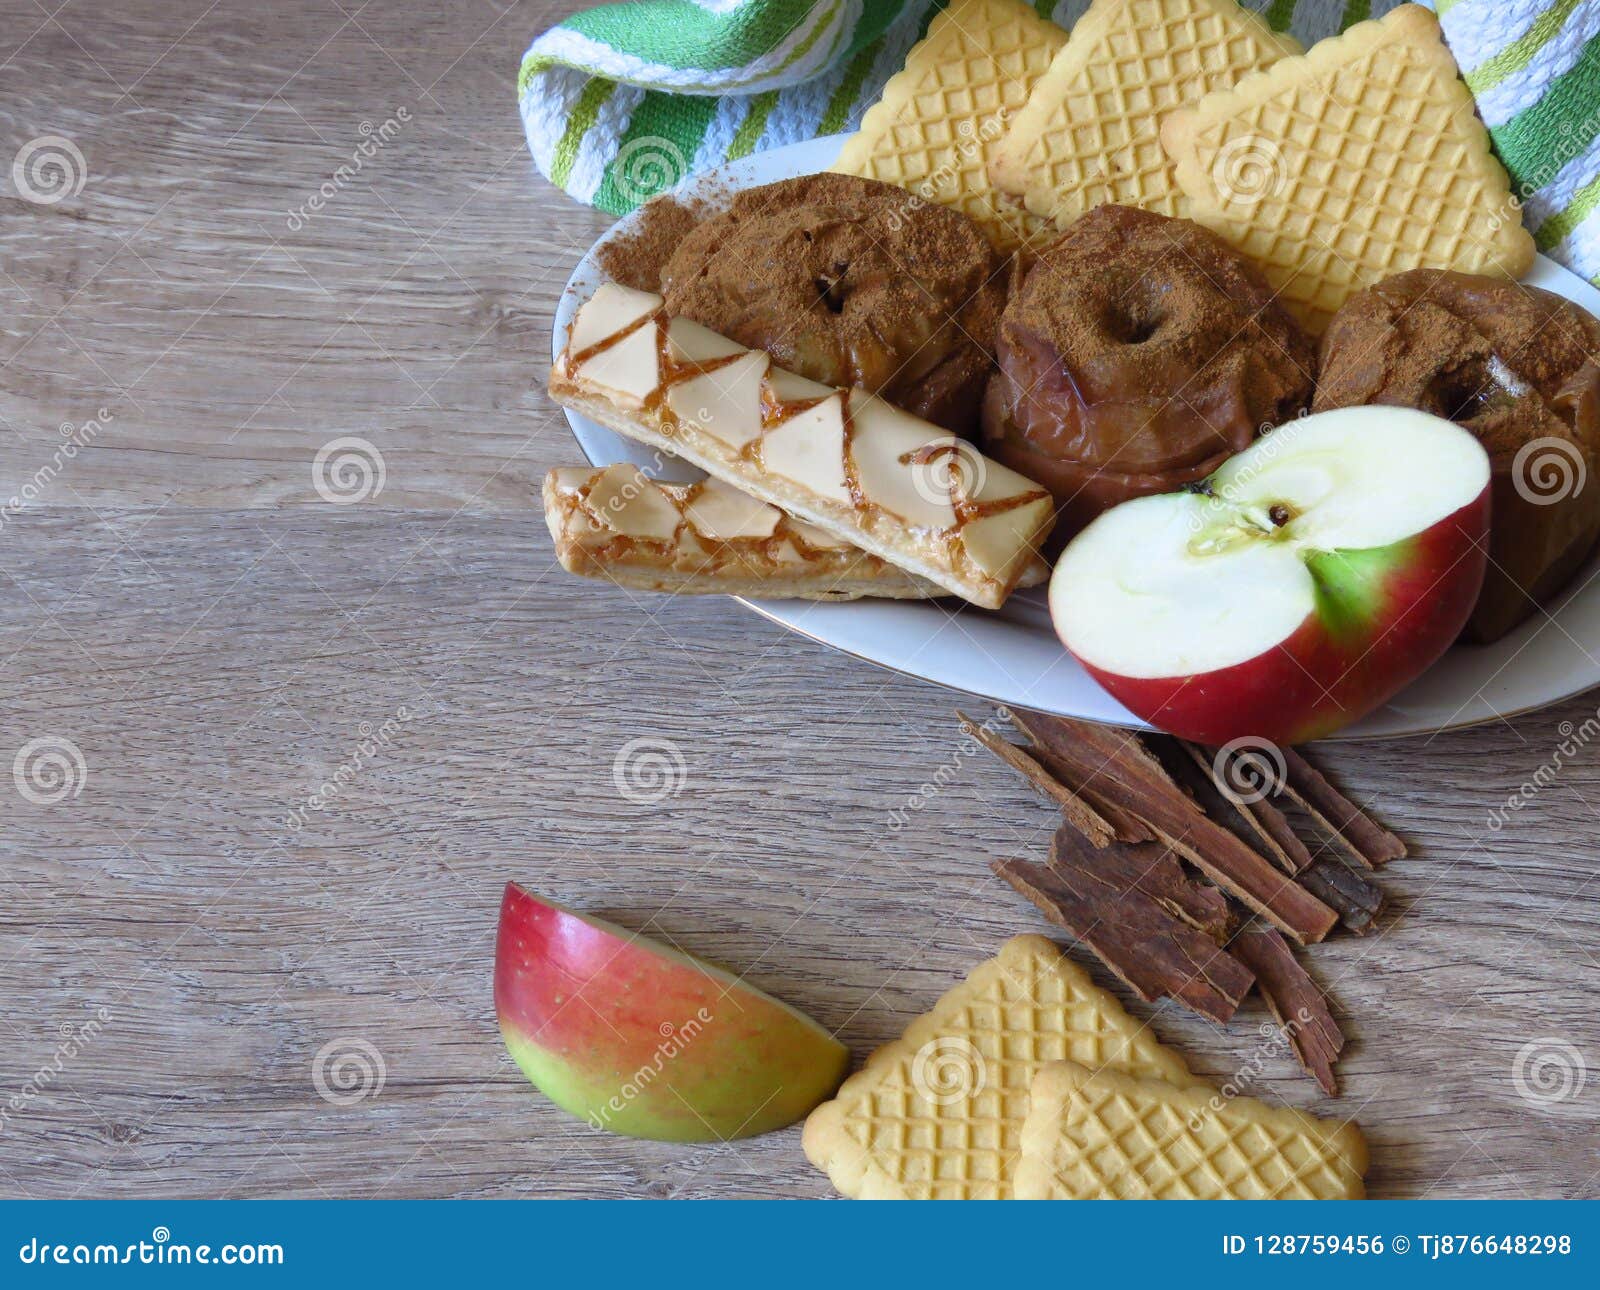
(1353, 162)
(937, 1114)
(1103, 1135)
(1090, 131)
(942, 115)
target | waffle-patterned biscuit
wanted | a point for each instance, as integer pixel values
(878, 478)
(1090, 132)
(1104, 1135)
(709, 538)
(1355, 161)
(937, 1114)
(943, 114)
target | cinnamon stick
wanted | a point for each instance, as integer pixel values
(1129, 828)
(1113, 766)
(1154, 953)
(1082, 816)
(1356, 898)
(1269, 823)
(1298, 1005)
(1368, 841)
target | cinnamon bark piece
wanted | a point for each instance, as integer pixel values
(1092, 751)
(1129, 828)
(1355, 897)
(1358, 899)
(1299, 1006)
(1078, 812)
(1367, 840)
(1113, 766)
(1156, 872)
(1156, 954)
(1269, 823)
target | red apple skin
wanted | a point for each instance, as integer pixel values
(643, 1041)
(1327, 674)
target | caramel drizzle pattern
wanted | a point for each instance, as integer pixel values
(774, 411)
(621, 544)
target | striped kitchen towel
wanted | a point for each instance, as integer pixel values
(622, 101)
(1534, 68)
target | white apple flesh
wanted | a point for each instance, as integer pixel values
(1305, 583)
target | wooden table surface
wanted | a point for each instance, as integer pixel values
(188, 950)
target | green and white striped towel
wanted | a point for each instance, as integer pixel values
(622, 101)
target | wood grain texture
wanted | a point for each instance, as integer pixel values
(215, 640)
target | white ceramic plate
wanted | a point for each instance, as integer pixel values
(1012, 656)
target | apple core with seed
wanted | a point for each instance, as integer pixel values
(1302, 585)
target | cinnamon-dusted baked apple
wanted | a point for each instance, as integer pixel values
(1139, 353)
(1516, 366)
(850, 282)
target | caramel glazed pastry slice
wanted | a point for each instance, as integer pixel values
(616, 525)
(871, 475)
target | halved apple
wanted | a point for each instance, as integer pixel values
(643, 1040)
(1298, 588)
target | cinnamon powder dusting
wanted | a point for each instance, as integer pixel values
(635, 258)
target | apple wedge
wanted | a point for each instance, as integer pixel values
(1302, 585)
(640, 1039)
